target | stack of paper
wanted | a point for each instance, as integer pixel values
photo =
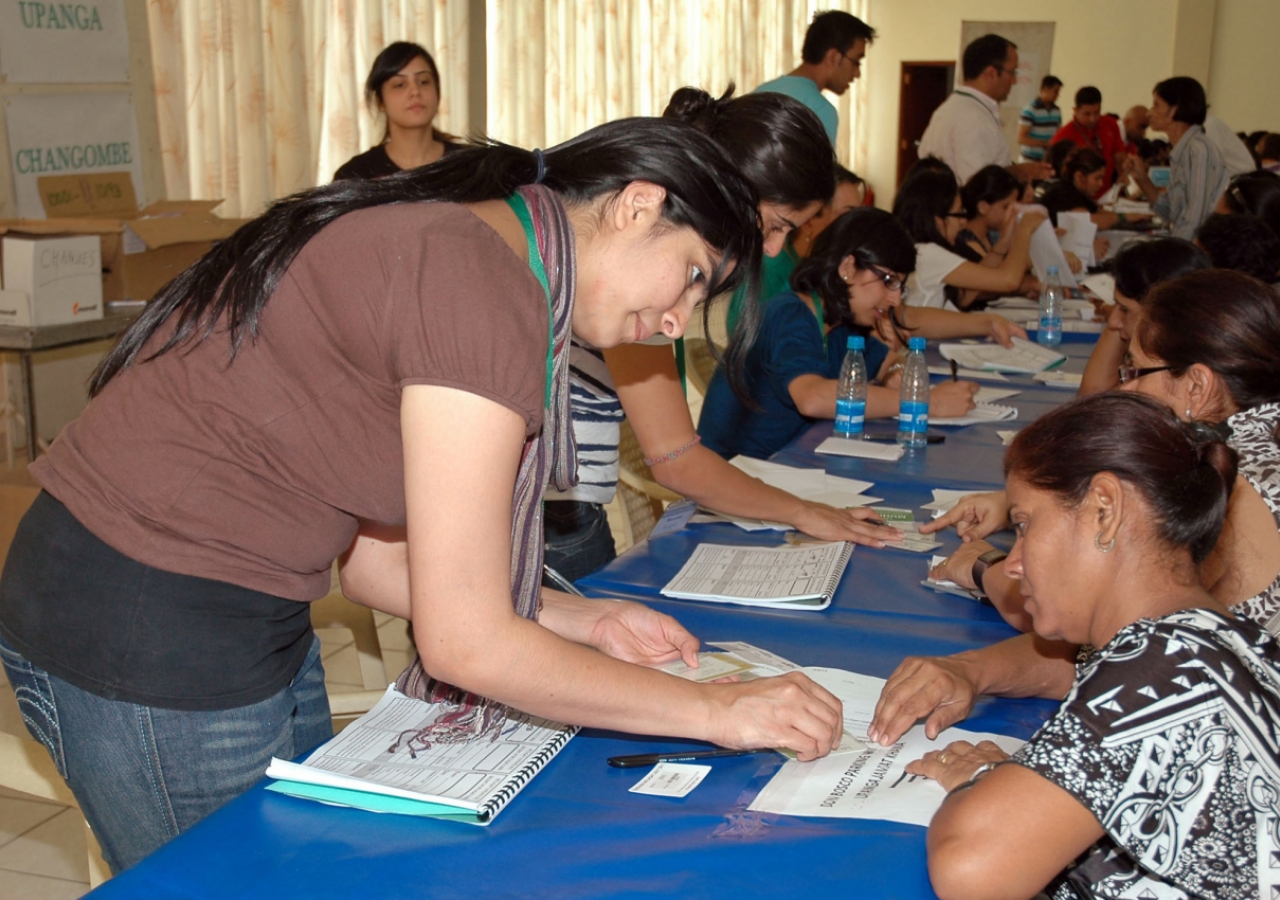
(813, 485)
(983, 412)
(1024, 357)
(838, 446)
(1069, 380)
(803, 577)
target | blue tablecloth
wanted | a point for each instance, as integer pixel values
(575, 831)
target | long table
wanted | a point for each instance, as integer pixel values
(575, 831)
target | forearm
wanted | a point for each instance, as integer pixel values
(1022, 666)
(704, 476)
(882, 402)
(572, 618)
(1101, 371)
(944, 323)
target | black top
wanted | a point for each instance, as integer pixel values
(376, 163)
(1063, 196)
(222, 647)
(964, 245)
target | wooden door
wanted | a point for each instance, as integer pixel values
(924, 86)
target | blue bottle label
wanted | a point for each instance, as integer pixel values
(913, 416)
(851, 416)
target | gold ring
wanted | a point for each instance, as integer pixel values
(942, 758)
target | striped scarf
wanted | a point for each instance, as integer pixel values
(549, 456)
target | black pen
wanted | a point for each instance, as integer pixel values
(955, 371)
(652, 759)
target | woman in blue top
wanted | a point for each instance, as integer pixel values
(851, 283)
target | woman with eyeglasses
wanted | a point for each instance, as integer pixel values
(852, 283)
(1205, 347)
(929, 206)
(1158, 776)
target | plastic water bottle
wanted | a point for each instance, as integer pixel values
(851, 391)
(1051, 295)
(913, 407)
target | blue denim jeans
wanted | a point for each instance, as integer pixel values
(577, 537)
(143, 775)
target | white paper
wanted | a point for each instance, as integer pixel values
(65, 43)
(1046, 252)
(967, 374)
(1113, 193)
(764, 663)
(946, 498)
(1103, 284)
(69, 134)
(980, 414)
(945, 585)
(1006, 437)
(706, 516)
(671, 780)
(1075, 326)
(993, 395)
(1059, 379)
(872, 784)
(837, 446)
(1133, 207)
(1024, 357)
(807, 484)
(711, 665)
(787, 577)
(1079, 234)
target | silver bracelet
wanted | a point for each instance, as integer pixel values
(973, 779)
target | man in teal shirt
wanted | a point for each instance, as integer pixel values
(832, 55)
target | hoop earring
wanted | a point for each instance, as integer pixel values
(1103, 548)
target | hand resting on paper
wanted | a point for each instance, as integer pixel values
(631, 632)
(955, 764)
(938, 689)
(789, 712)
(860, 526)
(975, 516)
(951, 398)
(958, 567)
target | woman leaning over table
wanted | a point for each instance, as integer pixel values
(1205, 348)
(1197, 175)
(781, 149)
(357, 360)
(852, 283)
(1159, 774)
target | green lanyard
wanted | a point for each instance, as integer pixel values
(521, 209)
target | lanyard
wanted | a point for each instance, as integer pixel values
(822, 325)
(983, 105)
(521, 209)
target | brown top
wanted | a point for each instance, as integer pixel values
(255, 473)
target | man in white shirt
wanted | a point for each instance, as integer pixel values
(965, 131)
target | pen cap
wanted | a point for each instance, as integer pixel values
(915, 343)
(856, 342)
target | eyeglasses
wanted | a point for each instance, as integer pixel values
(891, 282)
(1130, 373)
(857, 63)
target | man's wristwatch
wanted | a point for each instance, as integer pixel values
(982, 563)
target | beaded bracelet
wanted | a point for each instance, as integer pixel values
(674, 454)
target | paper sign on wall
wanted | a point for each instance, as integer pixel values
(70, 134)
(64, 43)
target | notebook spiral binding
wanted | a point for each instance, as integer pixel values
(495, 804)
(837, 571)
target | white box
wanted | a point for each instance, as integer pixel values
(61, 277)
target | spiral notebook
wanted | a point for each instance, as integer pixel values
(791, 577)
(376, 764)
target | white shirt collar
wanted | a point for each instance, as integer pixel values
(983, 98)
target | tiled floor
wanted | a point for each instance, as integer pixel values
(42, 844)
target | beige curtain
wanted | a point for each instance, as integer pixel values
(261, 98)
(558, 67)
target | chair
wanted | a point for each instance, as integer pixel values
(25, 766)
(640, 497)
(699, 352)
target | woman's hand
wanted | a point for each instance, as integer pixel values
(975, 516)
(948, 399)
(1001, 330)
(1030, 221)
(954, 765)
(1073, 262)
(634, 633)
(861, 526)
(789, 712)
(958, 567)
(935, 688)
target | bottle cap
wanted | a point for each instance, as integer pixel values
(856, 342)
(1053, 271)
(915, 343)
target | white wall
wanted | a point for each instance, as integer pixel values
(1121, 48)
(1245, 67)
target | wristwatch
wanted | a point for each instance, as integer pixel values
(982, 563)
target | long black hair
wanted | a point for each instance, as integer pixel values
(873, 238)
(387, 64)
(228, 288)
(989, 185)
(924, 198)
(1141, 265)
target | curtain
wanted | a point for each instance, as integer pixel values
(555, 68)
(260, 98)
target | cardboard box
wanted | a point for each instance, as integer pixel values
(141, 250)
(52, 279)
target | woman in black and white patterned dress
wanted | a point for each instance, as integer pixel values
(1159, 777)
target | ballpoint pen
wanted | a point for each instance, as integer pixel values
(955, 371)
(652, 759)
